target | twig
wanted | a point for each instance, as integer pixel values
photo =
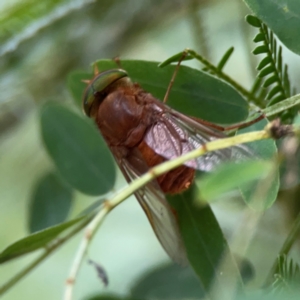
(282, 106)
(88, 234)
(222, 75)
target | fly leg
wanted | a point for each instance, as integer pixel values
(231, 127)
(245, 124)
(184, 54)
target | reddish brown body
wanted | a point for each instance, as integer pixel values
(123, 119)
(143, 132)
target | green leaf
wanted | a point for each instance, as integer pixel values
(77, 149)
(260, 50)
(206, 247)
(261, 194)
(279, 60)
(272, 40)
(168, 282)
(231, 176)
(270, 81)
(50, 204)
(272, 64)
(225, 58)
(194, 93)
(265, 61)
(287, 275)
(286, 82)
(254, 21)
(282, 17)
(275, 90)
(266, 71)
(276, 99)
(260, 37)
(35, 241)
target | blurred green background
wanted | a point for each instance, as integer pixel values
(40, 43)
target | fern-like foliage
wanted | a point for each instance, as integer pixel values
(273, 74)
(287, 277)
(219, 68)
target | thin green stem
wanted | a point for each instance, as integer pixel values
(89, 232)
(282, 106)
(223, 76)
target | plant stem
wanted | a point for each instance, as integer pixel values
(223, 76)
(89, 232)
(282, 106)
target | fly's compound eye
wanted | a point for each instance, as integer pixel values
(96, 87)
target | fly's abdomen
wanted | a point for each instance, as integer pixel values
(173, 182)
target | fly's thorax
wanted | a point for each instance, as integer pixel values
(120, 118)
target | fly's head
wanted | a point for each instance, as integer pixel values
(99, 87)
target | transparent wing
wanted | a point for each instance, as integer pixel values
(155, 205)
(177, 134)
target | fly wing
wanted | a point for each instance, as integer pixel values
(155, 205)
(177, 134)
